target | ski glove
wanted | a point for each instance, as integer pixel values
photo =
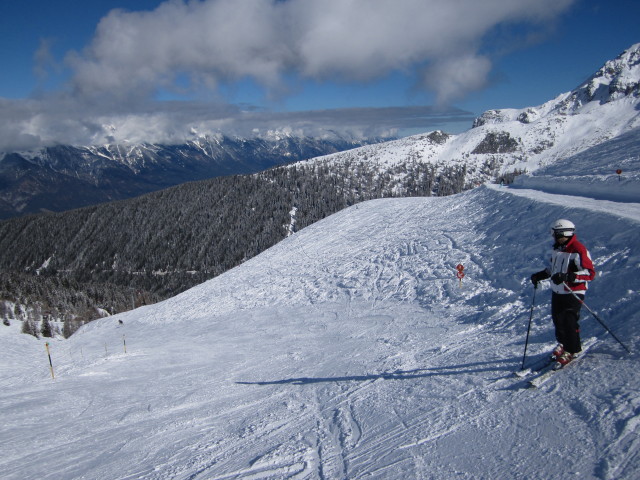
(538, 277)
(558, 278)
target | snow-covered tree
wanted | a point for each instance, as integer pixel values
(292, 223)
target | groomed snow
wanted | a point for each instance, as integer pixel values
(350, 350)
(594, 172)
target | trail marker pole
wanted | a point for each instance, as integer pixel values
(460, 273)
(46, 345)
(124, 342)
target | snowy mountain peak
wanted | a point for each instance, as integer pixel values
(623, 69)
(616, 79)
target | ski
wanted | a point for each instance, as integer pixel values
(535, 367)
(546, 373)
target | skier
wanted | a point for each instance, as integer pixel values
(571, 268)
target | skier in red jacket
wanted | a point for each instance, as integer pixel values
(571, 268)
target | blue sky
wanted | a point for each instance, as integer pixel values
(82, 72)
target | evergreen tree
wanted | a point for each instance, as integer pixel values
(45, 329)
(29, 327)
(4, 313)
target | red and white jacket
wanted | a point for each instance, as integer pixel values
(572, 257)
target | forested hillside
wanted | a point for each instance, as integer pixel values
(109, 257)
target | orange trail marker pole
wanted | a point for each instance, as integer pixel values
(46, 345)
(460, 273)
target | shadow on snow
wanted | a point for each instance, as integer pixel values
(498, 366)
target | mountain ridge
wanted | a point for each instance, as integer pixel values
(64, 177)
(507, 141)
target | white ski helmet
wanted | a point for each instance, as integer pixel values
(563, 228)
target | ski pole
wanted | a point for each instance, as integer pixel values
(596, 317)
(526, 342)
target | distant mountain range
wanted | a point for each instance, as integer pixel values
(164, 242)
(64, 177)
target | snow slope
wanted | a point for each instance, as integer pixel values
(349, 350)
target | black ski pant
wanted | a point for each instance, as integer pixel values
(565, 312)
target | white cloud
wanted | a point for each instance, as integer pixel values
(217, 40)
(206, 41)
(26, 125)
(197, 45)
(453, 77)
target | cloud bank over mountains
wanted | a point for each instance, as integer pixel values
(208, 42)
(190, 49)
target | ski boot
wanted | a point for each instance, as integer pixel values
(557, 352)
(563, 360)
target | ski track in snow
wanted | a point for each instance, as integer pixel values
(350, 350)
